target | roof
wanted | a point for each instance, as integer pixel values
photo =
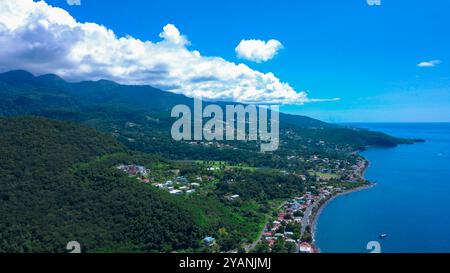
(209, 239)
(305, 247)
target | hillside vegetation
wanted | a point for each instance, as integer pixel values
(61, 144)
(45, 201)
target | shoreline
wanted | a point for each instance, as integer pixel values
(316, 213)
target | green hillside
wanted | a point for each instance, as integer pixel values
(47, 201)
(59, 183)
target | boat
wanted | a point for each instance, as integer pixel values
(382, 236)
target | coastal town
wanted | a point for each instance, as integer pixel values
(291, 226)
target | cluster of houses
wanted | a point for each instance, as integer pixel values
(294, 212)
(134, 170)
(357, 170)
(179, 185)
(291, 212)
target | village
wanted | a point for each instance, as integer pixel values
(178, 185)
(291, 224)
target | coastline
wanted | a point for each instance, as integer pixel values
(316, 213)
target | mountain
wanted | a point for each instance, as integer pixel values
(49, 95)
(109, 93)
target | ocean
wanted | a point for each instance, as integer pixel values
(410, 203)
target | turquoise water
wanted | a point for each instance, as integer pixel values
(410, 203)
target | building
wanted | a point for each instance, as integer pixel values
(305, 248)
(209, 241)
(176, 192)
(232, 197)
(181, 179)
(134, 170)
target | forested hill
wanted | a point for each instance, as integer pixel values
(47, 199)
(107, 106)
(29, 93)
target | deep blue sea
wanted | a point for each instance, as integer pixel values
(410, 203)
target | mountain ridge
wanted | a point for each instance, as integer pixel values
(53, 80)
(50, 95)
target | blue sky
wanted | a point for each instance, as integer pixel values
(365, 55)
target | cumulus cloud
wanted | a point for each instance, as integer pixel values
(429, 63)
(257, 50)
(44, 39)
(172, 34)
(74, 2)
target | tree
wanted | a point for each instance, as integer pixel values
(262, 247)
(279, 247)
(291, 247)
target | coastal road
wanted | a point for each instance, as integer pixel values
(251, 246)
(306, 220)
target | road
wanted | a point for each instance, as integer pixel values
(253, 245)
(306, 219)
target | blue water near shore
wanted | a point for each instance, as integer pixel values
(410, 203)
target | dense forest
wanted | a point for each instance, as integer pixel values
(46, 202)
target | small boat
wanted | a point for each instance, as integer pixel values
(382, 236)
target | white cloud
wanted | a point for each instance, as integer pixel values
(74, 2)
(257, 50)
(44, 39)
(429, 63)
(172, 34)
